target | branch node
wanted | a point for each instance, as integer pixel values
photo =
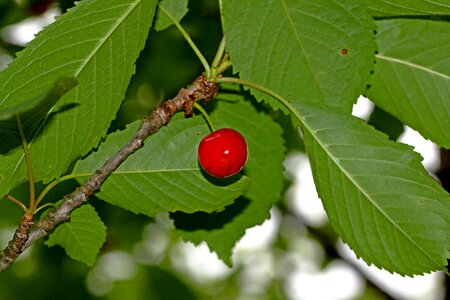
(188, 105)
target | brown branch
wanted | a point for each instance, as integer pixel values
(184, 100)
(15, 246)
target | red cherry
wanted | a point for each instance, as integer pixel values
(223, 153)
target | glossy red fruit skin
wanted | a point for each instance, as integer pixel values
(223, 153)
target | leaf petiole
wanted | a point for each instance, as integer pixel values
(45, 206)
(32, 204)
(17, 202)
(222, 18)
(221, 61)
(224, 65)
(190, 42)
(219, 54)
(55, 182)
(265, 90)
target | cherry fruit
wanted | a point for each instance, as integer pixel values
(223, 153)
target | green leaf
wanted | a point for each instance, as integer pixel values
(47, 100)
(377, 195)
(412, 75)
(82, 237)
(295, 49)
(223, 229)
(97, 42)
(177, 8)
(163, 176)
(31, 113)
(383, 8)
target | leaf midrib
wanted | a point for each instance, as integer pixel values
(102, 41)
(85, 63)
(412, 65)
(354, 182)
(409, 8)
(299, 42)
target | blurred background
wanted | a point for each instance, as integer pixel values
(294, 255)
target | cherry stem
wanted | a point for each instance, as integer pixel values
(32, 204)
(205, 115)
(190, 41)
